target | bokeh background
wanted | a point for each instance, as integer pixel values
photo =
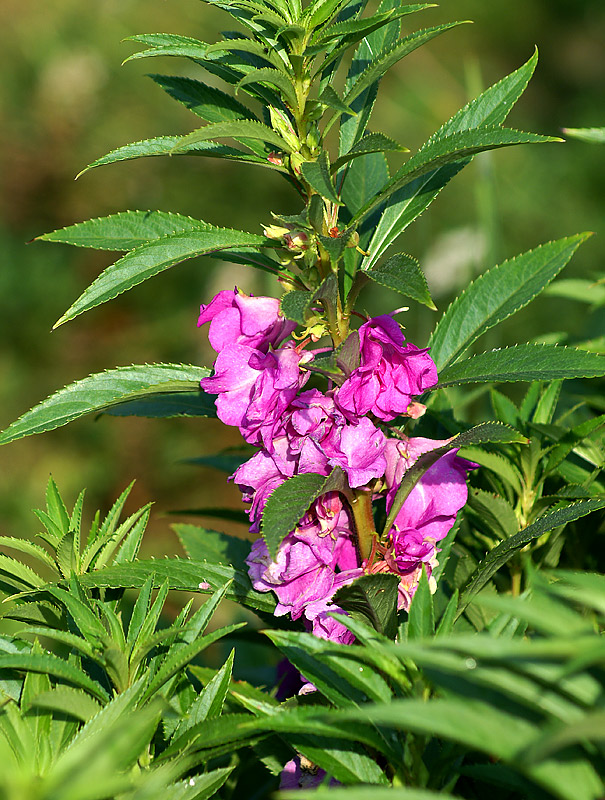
(65, 100)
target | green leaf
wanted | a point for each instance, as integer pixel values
(102, 391)
(168, 44)
(403, 274)
(295, 305)
(49, 664)
(317, 175)
(65, 700)
(16, 570)
(485, 432)
(125, 230)
(370, 143)
(201, 544)
(496, 295)
(449, 149)
(173, 145)
(277, 78)
(361, 793)
(331, 99)
(289, 502)
(30, 548)
(209, 703)
(372, 599)
(165, 402)
(421, 616)
(524, 362)
(490, 108)
(179, 658)
(235, 129)
(208, 102)
(501, 554)
(494, 513)
(583, 290)
(190, 576)
(592, 135)
(498, 464)
(144, 262)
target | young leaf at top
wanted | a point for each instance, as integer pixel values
(403, 274)
(317, 175)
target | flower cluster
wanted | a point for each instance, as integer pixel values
(259, 379)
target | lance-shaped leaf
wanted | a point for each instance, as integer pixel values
(524, 362)
(489, 108)
(371, 143)
(483, 433)
(167, 146)
(264, 56)
(150, 259)
(373, 600)
(496, 295)
(330, 98)
(317, 175)
(125, 230)
(236, 129)
(288, 503)
(185, 575)
(207, 102)
(168, 44)
(403, 274)
(449, 149)
(100, 392)
(49, 664)
(276, 78)
(592, 135)
(501, 554)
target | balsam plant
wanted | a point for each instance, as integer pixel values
(363, 542)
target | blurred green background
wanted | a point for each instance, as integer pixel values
(65, 100)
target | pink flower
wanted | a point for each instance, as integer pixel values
(360, 452)
(255, 388)
(389, 375)
(236, 318)
(312, 562)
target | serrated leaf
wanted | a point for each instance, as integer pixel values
(494, 512)
(166, 403)
(501, 554)
(498, 464)
(204, 545)
(370, 143)
(496, 295)
(317, 175)
(187, 575)
(209, 703)
(15, 570)
(168, 44)
(330, 98)
(144, 262)
(490, 108)
(485, 432)
(373, 599)
(30, 548)
(49, 664)
(403, 274)
(102, 391)
(456, 147)
(172, 145)
(208, 102)
(278, 79)
(289, 502)
(236, 129)
(65, 700)
(524, 362)
(294, 305)
(124, 231)
(178, 659)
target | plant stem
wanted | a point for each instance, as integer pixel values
(361, 505)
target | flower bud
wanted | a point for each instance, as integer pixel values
(296, 240)
(275, 231)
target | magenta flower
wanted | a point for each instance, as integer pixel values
(256, 479)
(254, 388)
(390, 373)
(236, 318)
(360, 452)
(312, 562)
